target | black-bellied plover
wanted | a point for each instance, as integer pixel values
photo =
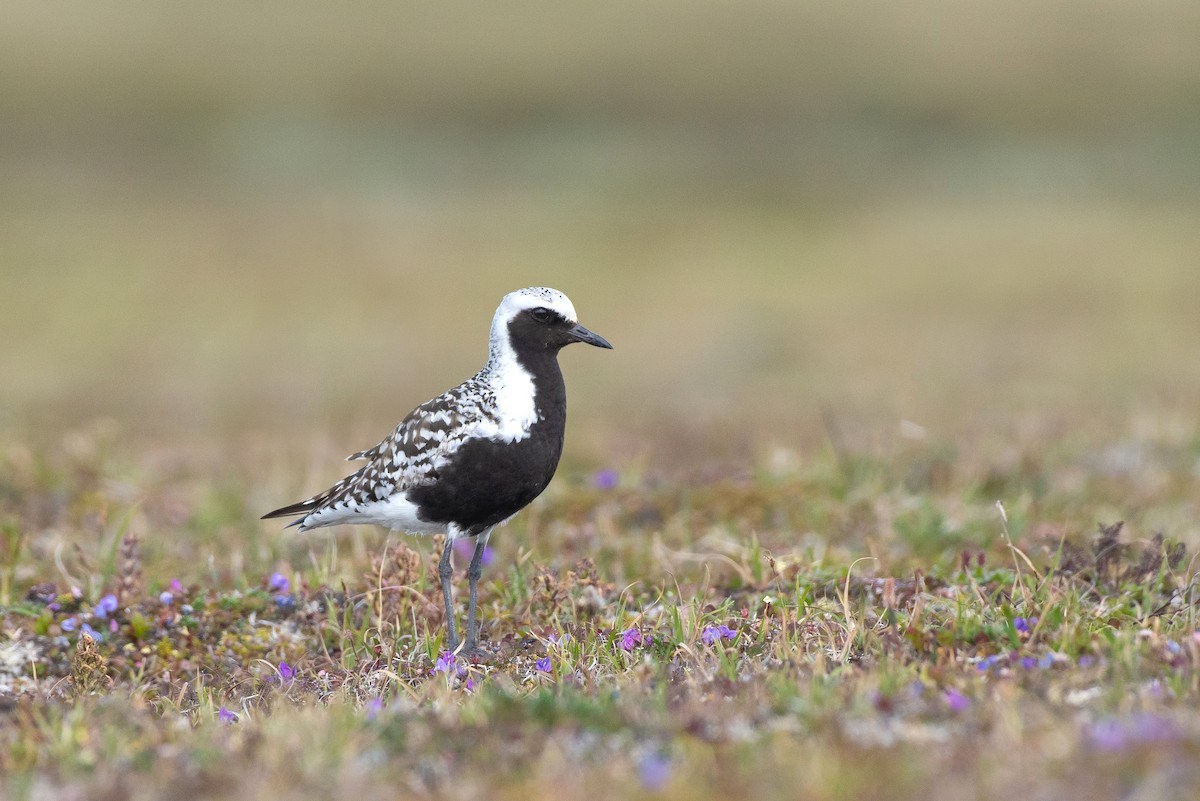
(474, 456)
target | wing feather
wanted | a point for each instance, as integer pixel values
(412, 454)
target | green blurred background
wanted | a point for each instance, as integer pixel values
(291, 222)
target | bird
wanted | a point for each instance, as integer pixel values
(471, 458)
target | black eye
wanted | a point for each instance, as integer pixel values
(543, 315)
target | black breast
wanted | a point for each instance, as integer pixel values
(487, 482)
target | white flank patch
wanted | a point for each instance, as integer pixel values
(396, 513)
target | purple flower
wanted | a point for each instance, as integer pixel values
(54, 606)
(91, 632)
(225, 716)
(374, 707)
(176, 586)
(1107, 735)
(449, 664)
(165, 598)
(1086, 660)
(632, 637)
(286, 673)
(1024, 625)
(543, 664)
(957, 701)
(465, 548)
(107, 605)
(556, 640)
(278, 583)
(712, 634)
(1116, 734)
(654, 770)
(606, 479)
(989, 662)
(1029, 662)
(1046, 661)
(112, 626)
(69, 624)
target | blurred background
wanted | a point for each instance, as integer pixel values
(283, 223)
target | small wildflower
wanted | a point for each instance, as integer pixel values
(1086, 660)
(225, 716)
(69, 624)
(631, 637)
(278, 583)
(606, 479)
(165, 598)
(54, 606)
(989, 662)
(465, 548)
(286, 673)
(654, 770)
(712, 634)
(1024, 625)
(1046, 661)
(957, 701)
(91, 632)
(176, 586)
(107, 605)
(1029, 662)
(285, 603)
(444, 663)
(543, 664)
(112, 626)
(374, 707)
(1116, 734)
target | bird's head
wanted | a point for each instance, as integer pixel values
(540, 319)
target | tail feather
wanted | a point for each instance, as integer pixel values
(302, 508)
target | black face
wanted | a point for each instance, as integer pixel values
(545, 329)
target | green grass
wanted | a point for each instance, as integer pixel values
(930, 666)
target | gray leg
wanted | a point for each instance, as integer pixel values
(474, 571)
(446, 571)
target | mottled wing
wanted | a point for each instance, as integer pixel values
(412, 454)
